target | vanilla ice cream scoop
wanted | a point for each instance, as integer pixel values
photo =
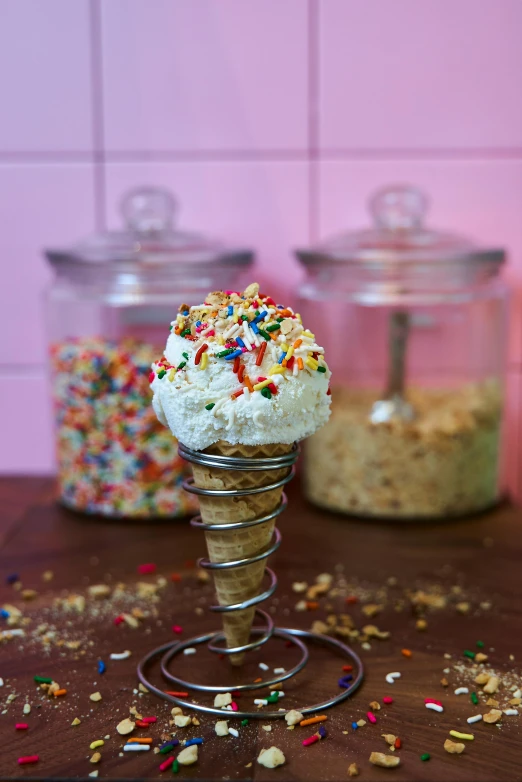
(240, 368)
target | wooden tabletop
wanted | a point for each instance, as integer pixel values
(462, 578)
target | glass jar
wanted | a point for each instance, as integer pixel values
(108, 311)
(413, 325)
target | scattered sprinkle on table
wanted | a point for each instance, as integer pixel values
(390, 677)
(96, 744)
(465, 736)
(101, 667)
(190, 650)
(263, 666)
(372, 718)
(147, 569)
(474, 698)
(23, 761)
(434, 707)
(136, 748)
(511, 712)
(166, 764)
(177, 629)
(425, 756)
(461, 691)
(21, 726)
(43, 680)
(234, 732)
(387, 699)
(313, 720)
(472, 720)
(311, 740)
(121, 655)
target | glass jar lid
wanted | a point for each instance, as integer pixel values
(399, 236)
(149, 241)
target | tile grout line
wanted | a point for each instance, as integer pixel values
(313, 121)
(98, 126)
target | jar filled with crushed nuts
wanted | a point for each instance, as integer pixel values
(413, 324)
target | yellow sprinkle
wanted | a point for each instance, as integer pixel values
(204, 361)
(457, 735)
(235, 317)
(308, 334)
(172, 374)
(297, 315)
(220, 339)
(96, 744)
(289, 353)
(180, 319)
(263, 384)
(285, 347)
(277, 369)
(312, 363)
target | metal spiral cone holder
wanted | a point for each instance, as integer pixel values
(168, 652)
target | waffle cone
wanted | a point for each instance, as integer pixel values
(237, 584)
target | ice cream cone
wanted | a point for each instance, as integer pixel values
(237, 584)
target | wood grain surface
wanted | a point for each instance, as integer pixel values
(472, 566)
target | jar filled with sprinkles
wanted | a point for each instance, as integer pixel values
(414, 327)
(106, 312)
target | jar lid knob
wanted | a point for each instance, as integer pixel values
(398, 208)
(148, 210)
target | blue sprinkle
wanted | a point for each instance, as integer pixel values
(13, 578)
(354, 725)
(185, 312)
(254, 327)
(344, 682)
(101, 666)
(193, 741)
(170, 744)
(322, 731)
(281, 358)
(4, 614)
(198, 323)
(240, 342)
(233, 355)
(230, 312)
(260, 317)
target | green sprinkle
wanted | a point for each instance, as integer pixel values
(265, 335)
(210, 406)
(256, 313)
(469, 654)
(185, 355)
(274, 698)
(480, 644)
(181, 365)
(223, 353)
(244, 723)
(175, 767)
(184, 332)
(273, 327)
(162, 373)
(43, 680)
(321, 369)
(279, 320)
(244, 317)
(474, 698)
(425, 756)
(266, 392)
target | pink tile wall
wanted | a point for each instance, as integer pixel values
(271, 120)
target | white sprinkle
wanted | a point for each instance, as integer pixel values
(263, 666)
(10, 632)
(390, 677)
(476, 718)
(228, 708)
(446, 670)
(120, 655)
(281, 694)
(136, 747)
(260, 702)
(461, 691)
(1, 682)
(434, 707)
(511, 712)
(190, 650)
(233, 732)
(517, 694)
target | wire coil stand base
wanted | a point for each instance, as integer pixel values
(167, 653)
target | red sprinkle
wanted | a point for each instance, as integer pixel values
(197, 357)
(118, 620)
(21, 726)
(290, 363)
(166, 764)
(149, 720)
(398, 743)
(241, 373)
(175, 577)
(146, 569)
(141, 724)
(273, 388)
(152, 375)
(348, 668)
(432, 700)
(176, 694)
(351, 600)
(236, 365)
(234, 706)
(371, 717)
(177, 629)
(311, 740)
(237, 393)
(261, 353)
(387, 699)
(28, 759)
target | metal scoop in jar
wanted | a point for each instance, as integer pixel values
(394, 406)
